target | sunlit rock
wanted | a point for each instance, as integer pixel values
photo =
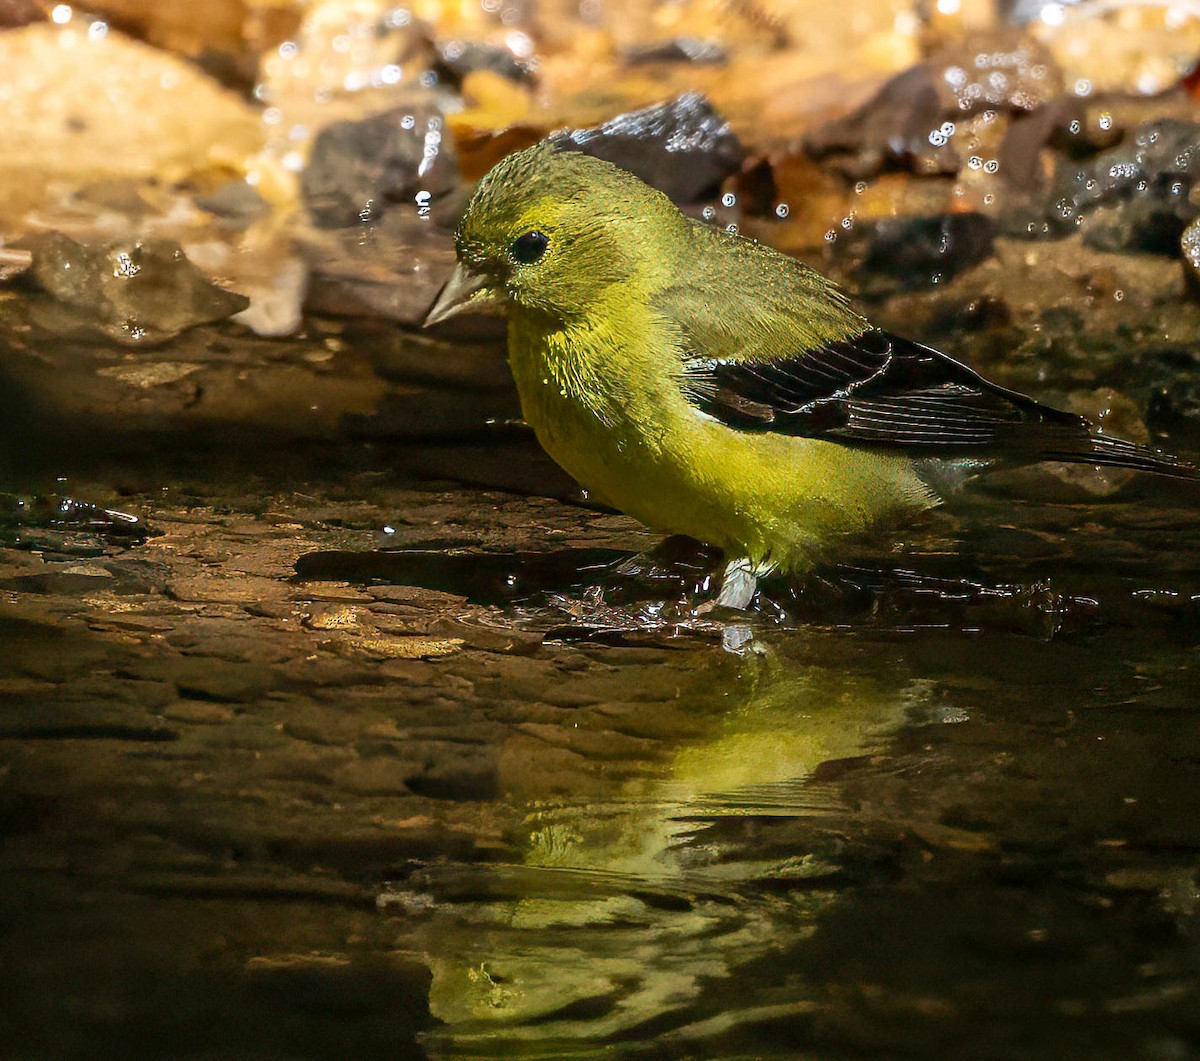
(225, 37)
(1125, 47)
(82, 106)
(132, 292)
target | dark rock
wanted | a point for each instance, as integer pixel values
(458, 58)
(1174, 406)
(981, 314)
(136, 292)
(916, 251)
(235, 201)
(358, 169)
(683, 147)
(121, 195)
(1145, 181)
(694, 50)
(911, 122)
(1139, 224)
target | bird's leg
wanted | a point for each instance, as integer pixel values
(738, 585)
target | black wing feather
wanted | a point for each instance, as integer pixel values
(880, 390)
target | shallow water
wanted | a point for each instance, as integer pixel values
(362, 747)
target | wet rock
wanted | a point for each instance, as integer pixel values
(913, 120)
(913, 252)
(683, 147)
(392, 269)
(694, 50)
(1189, 243)
(460, 58)
(1143, 183)
(144, 291)
(359, 168)
(1174, 406)
(1140, 224)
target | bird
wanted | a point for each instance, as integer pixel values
(710, 386)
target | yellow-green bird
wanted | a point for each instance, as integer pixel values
(708, 385)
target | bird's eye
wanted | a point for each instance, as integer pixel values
(529, 248)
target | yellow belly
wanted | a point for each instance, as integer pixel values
(779, 500)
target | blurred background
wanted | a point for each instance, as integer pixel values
(336, 722)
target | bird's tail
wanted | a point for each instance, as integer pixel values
(1110, 452)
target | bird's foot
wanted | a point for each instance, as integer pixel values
(738, 585)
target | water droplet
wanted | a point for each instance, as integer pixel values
(781, 211)
(1053, 14)
(1105, 120)
(288, 50)
(125, 267)
(729, 199)
(991, 165)
(61, 14)
(830, 236)
(1074, 127)
(1119, 295)
(974, 162)
(708, 213)
(1083, 87)
(987, 199)
(860, 187)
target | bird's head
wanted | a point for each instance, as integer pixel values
(550, 230)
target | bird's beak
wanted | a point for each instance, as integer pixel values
(463, 289)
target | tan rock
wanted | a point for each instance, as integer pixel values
(79, 104)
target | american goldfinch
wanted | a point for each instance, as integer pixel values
(708, 385)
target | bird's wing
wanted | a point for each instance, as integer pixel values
(768, 344)
(879, 390)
